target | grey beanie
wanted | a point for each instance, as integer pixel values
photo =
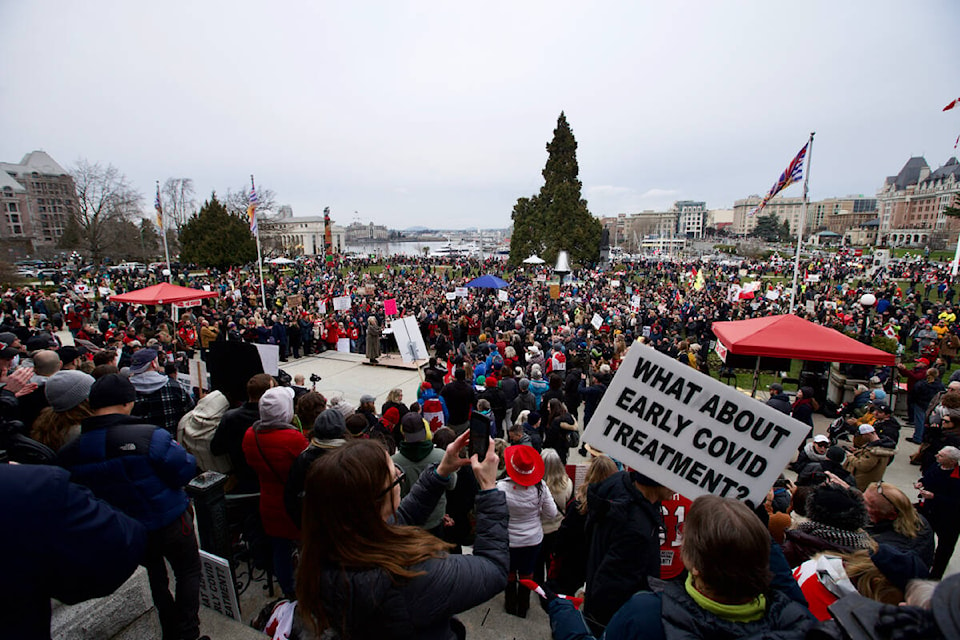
(276, 406)
(329, 425)
(67, 389)
(524, 384)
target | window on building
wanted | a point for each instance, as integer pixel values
(12, 207)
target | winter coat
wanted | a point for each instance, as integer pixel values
(780, 402)
(197, 428)
(669, 612)
(414, 458)
(868, 463)
(538, 388)
(569, 569)
(375, 606)
(228, 440)
(271, 449)
(527, 505)
(922, 544)
(524, 401)
(623, 529)
(460, 397)
(591, 399)
(807, 455)
(802, 410)
(66, 544)
(138, 468)
(373, 341)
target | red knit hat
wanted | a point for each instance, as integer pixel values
(392, 416)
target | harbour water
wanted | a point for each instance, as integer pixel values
(432, 248)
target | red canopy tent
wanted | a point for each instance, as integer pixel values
(165, 293)
(788, 336)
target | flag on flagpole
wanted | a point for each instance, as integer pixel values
(952, 105)
(252, 207)
(793, 173)
(158, 207)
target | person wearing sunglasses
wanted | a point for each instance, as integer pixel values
(894, 521)
(368, 571)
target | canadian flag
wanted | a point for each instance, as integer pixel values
(890, 332)
(952, 105)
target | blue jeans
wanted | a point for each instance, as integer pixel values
(919, 420)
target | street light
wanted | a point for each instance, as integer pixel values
(867, 301)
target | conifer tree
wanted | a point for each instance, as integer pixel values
(217, 238)
(557, 218)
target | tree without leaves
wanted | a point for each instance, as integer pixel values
(103, 196)
(177, 198)
(217, 238)
(236, 202)
(557, 218)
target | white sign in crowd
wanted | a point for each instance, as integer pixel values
(690, 432)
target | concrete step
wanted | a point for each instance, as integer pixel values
(129, 614)
(213, 624)
(103, 617)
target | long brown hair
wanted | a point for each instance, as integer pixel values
(343, 528)
(601, 468)
(51, 428)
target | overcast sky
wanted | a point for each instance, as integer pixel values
(438, 113)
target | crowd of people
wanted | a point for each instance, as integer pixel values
(367, 512)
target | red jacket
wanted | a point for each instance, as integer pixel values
(281, 446)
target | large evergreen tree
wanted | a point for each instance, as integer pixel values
(217, 238)
(557, 218)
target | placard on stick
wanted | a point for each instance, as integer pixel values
(690, 432)
(390, 307)
(341, 303)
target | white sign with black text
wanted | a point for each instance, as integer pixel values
(690, 432)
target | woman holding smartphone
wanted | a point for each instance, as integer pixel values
(366, 570)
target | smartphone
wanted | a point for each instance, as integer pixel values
(479, 439)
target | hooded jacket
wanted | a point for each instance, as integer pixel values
(869, 462)
(270, 446)
(623, 528)
(414, 458)
(197, 428)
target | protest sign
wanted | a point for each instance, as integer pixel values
(269, 358)
(343, 345)
(341, 303)
(409, 339)
(502, 296)
(369, 289)
(322, 306)
(690, 432)
(461, 292)
(541, 278)
(451, 296)
(294, 301)
(218, 591)
(597, 321)
(555, 292)
(390, 307)
(614, 284)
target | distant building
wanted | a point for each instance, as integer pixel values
(358, 233)
(628, 232)
(788, 209)
(37, 198)
(298, 236)
(911, 205)
(691, 218)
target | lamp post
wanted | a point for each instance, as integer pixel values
(867, 301)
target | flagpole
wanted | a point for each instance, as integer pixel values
(803, 222)
(163, 233)
(263, 295)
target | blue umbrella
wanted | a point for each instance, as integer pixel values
(487, 282)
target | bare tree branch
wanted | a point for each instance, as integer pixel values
(179, 204)
(104, 195)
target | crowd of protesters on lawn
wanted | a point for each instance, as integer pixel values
(379, 521)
